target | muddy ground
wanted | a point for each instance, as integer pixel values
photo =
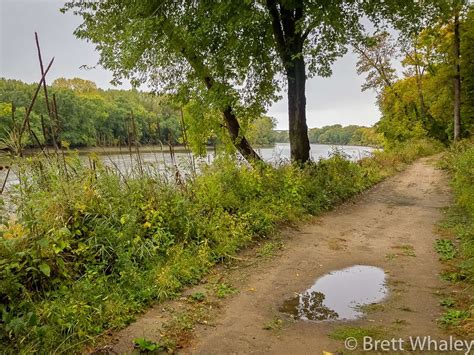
(391, 226)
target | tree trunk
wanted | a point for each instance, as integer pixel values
(457, 78)
(298, 129)
(231, 121)
(286, 17)
(239, 141)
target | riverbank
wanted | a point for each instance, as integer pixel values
(91, 248)
(391, 226)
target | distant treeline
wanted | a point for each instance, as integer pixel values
(90, 116)
(337, 134)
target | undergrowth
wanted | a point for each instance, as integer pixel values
(458, 251)
(89, 249)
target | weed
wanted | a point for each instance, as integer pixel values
(407, 250)
(223, 290)
(198, 296)
(447, 302)
(400, 322)
(453, 276)
(391, 256)
(269, 249)
(145, 345)
(275, 324)
(453, 317)
(445, 249)
(357, 333)
(371, 308)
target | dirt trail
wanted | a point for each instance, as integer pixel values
(392, 226)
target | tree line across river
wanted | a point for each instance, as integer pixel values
(89, 116)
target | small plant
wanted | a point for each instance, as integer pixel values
(223, 290)
(453, 317)
(268, 249)
(447, 302)
(358, 333)
(408, 250)
(145, 345)
(198, 296)
(453, 276)
(445, 249)
(400, 322)
(275, 324)
(390, 256)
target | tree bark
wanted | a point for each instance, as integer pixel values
(457, 78)
(239, 141)
(289, 44)
(298, 129)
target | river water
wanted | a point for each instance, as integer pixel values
(161, 160)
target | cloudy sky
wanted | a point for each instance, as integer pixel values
(337, 99)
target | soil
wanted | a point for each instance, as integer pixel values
(392, 226)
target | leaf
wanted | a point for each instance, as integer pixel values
(45, 269)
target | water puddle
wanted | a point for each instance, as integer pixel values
(339, 295)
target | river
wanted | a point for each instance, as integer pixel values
(152, 157)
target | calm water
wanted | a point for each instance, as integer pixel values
(162, 160)
(339, 295)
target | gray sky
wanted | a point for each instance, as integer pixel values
(337, 99)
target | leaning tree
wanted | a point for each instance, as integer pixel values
(206, 52)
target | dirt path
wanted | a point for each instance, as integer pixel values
(392, 226)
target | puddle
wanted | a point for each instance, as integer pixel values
(338, 295)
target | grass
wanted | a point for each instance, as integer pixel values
(224, 290)
(358, 333)
(458, 225)
(445, 249)
(275, 324)
(90, 248)
(453, 317)
(269, 249)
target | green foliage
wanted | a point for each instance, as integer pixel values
(223, 290)
(275, 324)
(460, 162)
(447, 302)
(453, 317)
(260, 131)
(336, 134)
(445, 249)
(198, 296)
(90, 249)
(145, 345)
(422, 102)
(358, 333)
(89, 116)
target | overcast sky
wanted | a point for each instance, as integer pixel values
(337, 99)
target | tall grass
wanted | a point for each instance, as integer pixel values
(90, 248)
(459, 161)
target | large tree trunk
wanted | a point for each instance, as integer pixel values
(457, 78)
(298, 129)
(286, 17)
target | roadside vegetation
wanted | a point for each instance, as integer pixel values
(88, 248)
(456, 249)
